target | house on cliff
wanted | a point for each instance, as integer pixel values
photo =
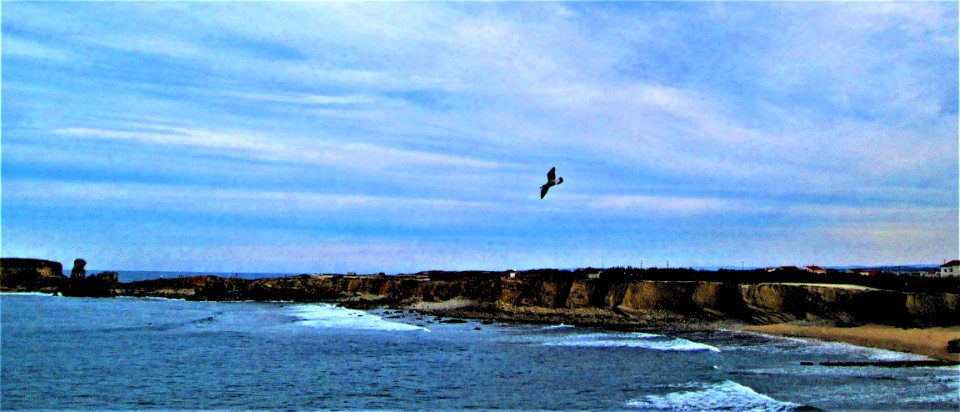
(782, 269)
(864, 272)
(595, 274)
(951, 268)
(815, 269)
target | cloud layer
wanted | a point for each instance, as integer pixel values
(411, 136)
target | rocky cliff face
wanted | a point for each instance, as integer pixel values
(588, 300)
(21, 275)
(37, 275)
(562, 297)
(100, 285)
(771, 303)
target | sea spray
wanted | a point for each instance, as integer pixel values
(322, 315)
(726, 395)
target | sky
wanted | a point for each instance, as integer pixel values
(399, 137)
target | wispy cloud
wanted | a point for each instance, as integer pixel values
(218, 200)
(15, 46)
(276, 149)
(671, 205)
(308, 99)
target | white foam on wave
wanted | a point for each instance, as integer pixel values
(630, 340)
(817, 347)
(944, 377)
(28, 294)
(560, 326)
(323, 315)
(822, 347)
(952, 398)
(726, 395)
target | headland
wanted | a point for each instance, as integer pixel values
(917, 315)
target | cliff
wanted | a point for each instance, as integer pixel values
(646, 297)
(38, 275)
(567, 298)
(30, 275)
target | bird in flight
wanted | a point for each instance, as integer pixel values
(552, 180)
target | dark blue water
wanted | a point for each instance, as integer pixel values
(127, 276)
(126, 353)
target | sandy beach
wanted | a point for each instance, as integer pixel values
(931, 342)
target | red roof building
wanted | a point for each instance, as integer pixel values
(864, 272)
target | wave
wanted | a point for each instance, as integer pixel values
(817, 347)
(28, 294)
(948, 398)
(630, 340)
(328, 316)
(726, 395)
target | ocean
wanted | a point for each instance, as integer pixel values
(136, 353)
(127, 276)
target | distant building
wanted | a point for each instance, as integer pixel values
(815, 269)
(951, 268)
(594, 274)
(511, 274)
(864, 272)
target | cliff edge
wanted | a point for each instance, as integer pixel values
(30, 275)
(614, 297)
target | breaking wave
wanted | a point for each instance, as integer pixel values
(726, 395)
(328, 316)
(629, 340)
(817, 347)
(560, 326)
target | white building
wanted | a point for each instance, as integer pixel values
(951, 268)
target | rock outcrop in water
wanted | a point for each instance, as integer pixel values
(37, 275)
(79, 271)
(618, 297)
(30, 275)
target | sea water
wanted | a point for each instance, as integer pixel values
(130, 353)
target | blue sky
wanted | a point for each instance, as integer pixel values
(397, 137)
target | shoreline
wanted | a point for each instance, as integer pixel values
(930, 342)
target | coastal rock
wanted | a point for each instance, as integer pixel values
(650, 297)
(933, 308)
(101, 285)
(30, 275)
(107, 277)
(842, 304)
(171, 288)
(953, 346)
(582, 294)
(79, 271)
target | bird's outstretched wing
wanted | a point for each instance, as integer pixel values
(552, 174)
(543, 190)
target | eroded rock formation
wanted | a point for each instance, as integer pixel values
(30, 275)
(552, 296)
(586, 300)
